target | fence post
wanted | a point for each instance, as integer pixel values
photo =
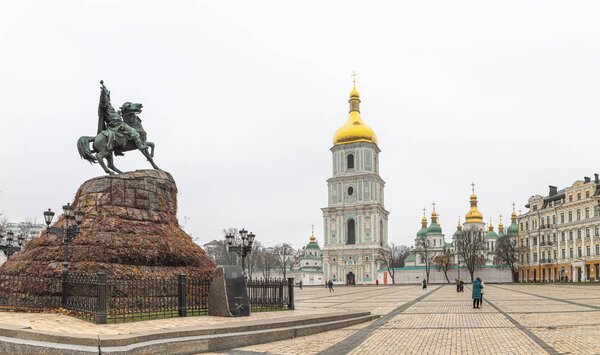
(101, 311)
(290, 293)
(63, 299)
(181, 292)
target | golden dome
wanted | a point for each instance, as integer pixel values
(424, 221)
(312, 238)
(474, 216)
(459, 227)
(355, 130)
(354, 93)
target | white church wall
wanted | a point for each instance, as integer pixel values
(436, 276)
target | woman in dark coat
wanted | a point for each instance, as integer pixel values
(477, 286)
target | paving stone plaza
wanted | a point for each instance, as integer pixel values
(514, 319)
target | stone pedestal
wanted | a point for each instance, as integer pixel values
(227, 296)
(130, 228)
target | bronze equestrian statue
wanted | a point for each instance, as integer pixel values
(115, 134)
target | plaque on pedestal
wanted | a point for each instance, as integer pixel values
(227, 296)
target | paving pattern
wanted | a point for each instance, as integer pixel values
(514, 319)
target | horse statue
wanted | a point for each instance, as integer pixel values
(118, 132)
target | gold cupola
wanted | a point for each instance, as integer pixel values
(355, 130)
(501, 226)
(474, 216)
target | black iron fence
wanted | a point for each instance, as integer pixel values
(30, 293)
(125, 299)
(270, 294)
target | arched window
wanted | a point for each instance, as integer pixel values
(380, 230)
(350, 161)
(351, 232)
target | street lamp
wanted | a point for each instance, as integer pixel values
(65, 233)
(8, 248)
(243, 249)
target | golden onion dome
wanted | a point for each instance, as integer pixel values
(474, 216)
(355, 130)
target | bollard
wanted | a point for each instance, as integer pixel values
(290, 293)
(181, 293)
(101, 311)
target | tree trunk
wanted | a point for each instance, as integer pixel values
(472, 272)
(446, 274)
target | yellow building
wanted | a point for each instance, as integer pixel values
(559, 237)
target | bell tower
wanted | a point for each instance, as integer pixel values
(355, 220)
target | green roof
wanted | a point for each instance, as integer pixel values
(434, 228)
(422, 232)
(411, 257)
(313, 245)
(458, 233)
(512, 230)
(500, 234)
(491, 235)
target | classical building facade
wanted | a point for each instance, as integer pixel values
(559, 235)
(355, 220)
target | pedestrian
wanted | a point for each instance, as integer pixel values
(377, 282)
(457, 285)
(462, 286)
(353, 284)
(477, 286)
(331, 286)
(300, 284)
(424, 284)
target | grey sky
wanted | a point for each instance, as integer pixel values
(242, 100)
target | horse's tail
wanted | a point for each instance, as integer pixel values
(83, 146)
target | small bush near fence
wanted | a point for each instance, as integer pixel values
(125, 299)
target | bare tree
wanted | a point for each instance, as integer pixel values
(471, 249)
(392, 258)
(253, 259)
(3, 224)
(285, 256)
(403, 253)
(267, 260)
(424, 250)
(444, 261)
(507, 253)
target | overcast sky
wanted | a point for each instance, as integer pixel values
(242, 100)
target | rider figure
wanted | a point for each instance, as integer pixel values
(111, 124)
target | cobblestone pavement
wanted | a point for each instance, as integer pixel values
(59, 323)
(514, 319)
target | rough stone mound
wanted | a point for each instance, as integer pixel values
(130, 228)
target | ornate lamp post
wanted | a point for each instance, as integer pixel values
(9, 248)
(65, 233)
(245, 248)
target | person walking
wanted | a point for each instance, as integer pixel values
(377, 282)
(330, 286)
(462, 286)
(457, 285)
(300, 284)
(477, 286)
(424, 284)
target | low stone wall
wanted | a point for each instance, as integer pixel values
(415, 275)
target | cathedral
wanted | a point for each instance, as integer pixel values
(355, 220)
(473, 225)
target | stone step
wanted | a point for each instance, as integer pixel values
(184, 340)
